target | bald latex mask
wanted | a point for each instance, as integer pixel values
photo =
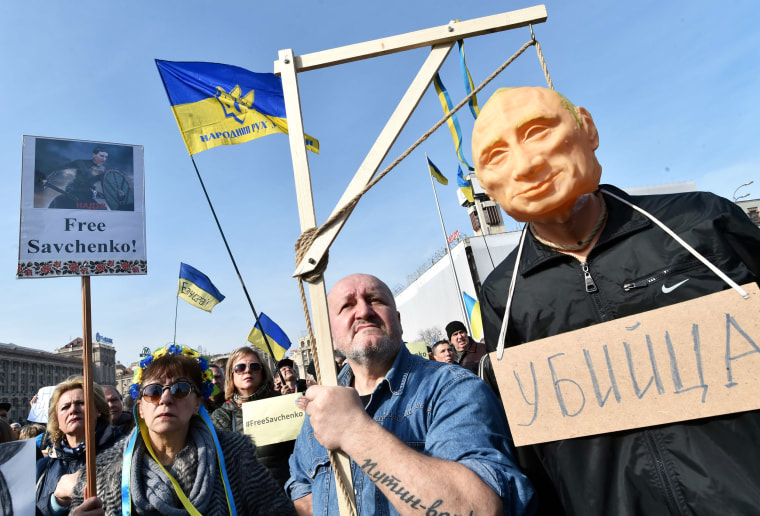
(534, 153)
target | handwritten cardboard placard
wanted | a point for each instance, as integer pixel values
(691, 360)
(417, 348)
(273, 420)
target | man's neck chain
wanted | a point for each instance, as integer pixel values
(581, 244)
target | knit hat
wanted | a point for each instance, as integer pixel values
(285, 362)
(455, 326)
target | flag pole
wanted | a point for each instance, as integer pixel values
(448, 250)
(234, 264)
(176, 310)
(89, 397)
(485, 230)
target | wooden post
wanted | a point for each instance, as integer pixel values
(90, 412)
(317, 293)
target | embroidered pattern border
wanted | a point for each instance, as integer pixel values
(55, 268)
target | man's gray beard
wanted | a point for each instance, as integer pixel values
(378, 353)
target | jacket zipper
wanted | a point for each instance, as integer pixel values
(662, 473)
(658, 276)
(593, 290)
(590, 285)
(647, 281)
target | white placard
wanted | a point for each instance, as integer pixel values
(82, 209)
(17, 474)
(39, 411)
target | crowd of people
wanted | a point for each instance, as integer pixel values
(431, 436)
(459, 348)
(183, 419)
(167, 437)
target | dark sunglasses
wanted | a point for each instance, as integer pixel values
(178, 391)
(253, 366)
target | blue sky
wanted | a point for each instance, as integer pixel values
(672, 87)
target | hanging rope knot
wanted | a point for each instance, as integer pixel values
(303, 244)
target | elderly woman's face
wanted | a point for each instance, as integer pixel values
(70, 413)
(168, 413)
(246, 373)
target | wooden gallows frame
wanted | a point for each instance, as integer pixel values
(442, 40)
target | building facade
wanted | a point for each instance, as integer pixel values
(103, 358)
(123, 379)
(24, 370)
(482, 207)
(752, 209)
(303, 356)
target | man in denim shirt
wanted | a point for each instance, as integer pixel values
(423, 437)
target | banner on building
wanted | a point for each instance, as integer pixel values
(82, 209)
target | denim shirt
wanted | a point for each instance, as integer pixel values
(440, 410)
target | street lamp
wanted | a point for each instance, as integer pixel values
(741, 196)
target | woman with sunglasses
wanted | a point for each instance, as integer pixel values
(174, 461)
(248, 378)
(56, 473)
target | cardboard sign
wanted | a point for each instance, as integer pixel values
(17, 477)
(273, 420)
(82, 209)
(691, 360)
(39, 411)
(417, 348)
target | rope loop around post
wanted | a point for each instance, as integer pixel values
(303, 243)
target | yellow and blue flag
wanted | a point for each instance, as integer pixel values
(465, 186)
(468, 85)
(436, 173)
(197, 289)
(473, 314)
(452, 121)
(217, 104)
(279, 342)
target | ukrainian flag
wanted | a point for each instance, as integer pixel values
(197, 289)
(435, 172)
(473, 314)
(276, 337)
(217, 104)
(465, 186)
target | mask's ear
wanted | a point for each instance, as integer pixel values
(587, 125)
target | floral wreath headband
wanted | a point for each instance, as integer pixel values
(207, 388)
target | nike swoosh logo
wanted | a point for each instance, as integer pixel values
(668, 290)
